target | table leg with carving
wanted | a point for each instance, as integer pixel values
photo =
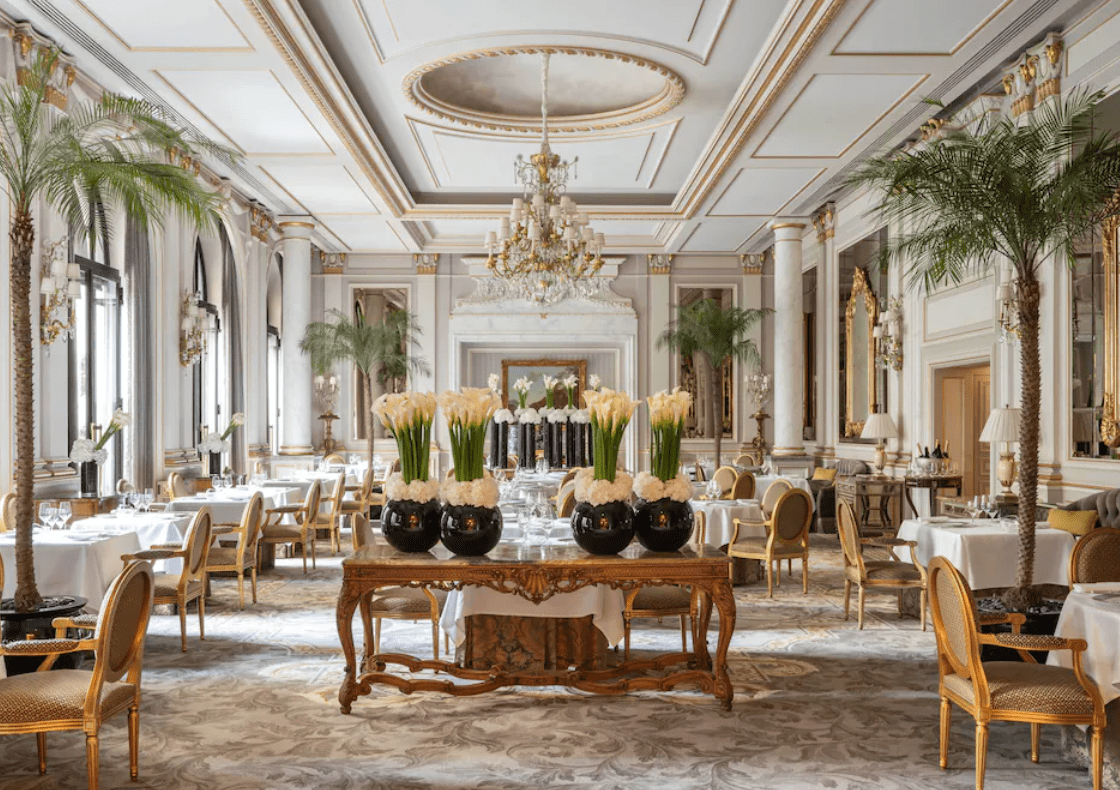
(703, 658)
(910, 500)
(724, 600)
(348, 598)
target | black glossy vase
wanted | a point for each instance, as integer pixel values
(663, 525)
(411, 526)
(527, 445)
(89, 477)
(603, 529)
(470, 531)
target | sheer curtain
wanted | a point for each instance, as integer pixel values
(138, 290)
(231, 308)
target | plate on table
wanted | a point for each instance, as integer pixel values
(1112, 599)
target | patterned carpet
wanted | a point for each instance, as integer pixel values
(818, 704)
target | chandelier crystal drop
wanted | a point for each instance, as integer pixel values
(545, 250)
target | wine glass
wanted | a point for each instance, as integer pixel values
(713, 489)
(46, 514)
(64, 513)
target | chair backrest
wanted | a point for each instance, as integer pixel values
(250, 528)
(450, 473)
(511, 461)
(120, 630)
(124, 487)
(849, 536)
(567, 504)
(570, 476)
(792, 516)
(773, 493)
(339, 494)
(1096, 557)
(311, 502)
(747, 459)
(360, 535)
(744, 486)
(701, 475)
(334, 458)
(8, 512)
(564, 489)
(367, 486)
(198, 545)
(176, 486)
(725, 476)
(955, 624)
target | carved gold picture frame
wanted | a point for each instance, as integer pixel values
(1110, 414)
(861, 291)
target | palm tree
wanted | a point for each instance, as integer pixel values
(93, 159)
(380, 349)
(704, 330)
(1003, 190)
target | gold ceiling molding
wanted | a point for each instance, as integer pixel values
(752, 262)
(29, 46)
(426, 262)
(825, 222)
(659, 264)
(1036, 75)
(261, 222)
(669, 97)
(332, 262)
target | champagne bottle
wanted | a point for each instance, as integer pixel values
(937, 451)
(946, 449)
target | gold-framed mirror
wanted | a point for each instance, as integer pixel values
(1110, 413)
(859, 346)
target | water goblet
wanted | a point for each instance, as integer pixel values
(65, 513)
(46, 514)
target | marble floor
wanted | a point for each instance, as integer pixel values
(819, 704)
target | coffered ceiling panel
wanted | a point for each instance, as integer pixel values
(761, 190)
(689, 26)
(913, 27)
(251, 109)
(834, 111)
(362, 234)
(321, 188)
(722, 235)
(167, 25)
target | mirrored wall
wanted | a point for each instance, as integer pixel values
(863, 288)
(697, 377)
(372, 305)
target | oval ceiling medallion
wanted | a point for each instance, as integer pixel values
(500, 89)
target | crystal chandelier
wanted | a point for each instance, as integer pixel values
(545, 250)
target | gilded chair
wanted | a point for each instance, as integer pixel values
(334, 459)
(567, 504)
(570, 475)
(394, 603)
(989, 691)
(747, 459)
(124, 487)
(177, 486)
(889, 574)
(7, 514)
(450, 473)
(1096, 557)
(725, 476)
(744, 486)
(700, 475)
(773, 493)
(189, 584)
(77, 699)
(363, 496)
(511, 461)
(242, 557)
(332, 519)
(302, 532)
(787, 538)
(396, 466)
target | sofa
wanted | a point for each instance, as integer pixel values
(1106, 503)
(825, 492)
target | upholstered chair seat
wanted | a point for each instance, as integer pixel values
(885, 570)
(1020, 686)
(57, 695)
(787, 535)
(758, 546)
(405, 600)
(888, 574)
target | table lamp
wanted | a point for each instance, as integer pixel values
(879, 427)
(1003, 426)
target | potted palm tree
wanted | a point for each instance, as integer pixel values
(96, 158)
(1017, 190)
(712, 335)
(379, 349)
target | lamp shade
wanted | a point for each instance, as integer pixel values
(879, 426)
(1002, 426)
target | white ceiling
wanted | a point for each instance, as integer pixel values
(394, 123)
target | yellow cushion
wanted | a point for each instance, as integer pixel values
(1077, 522)
(821, 473)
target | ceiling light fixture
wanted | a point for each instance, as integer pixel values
(545, 250)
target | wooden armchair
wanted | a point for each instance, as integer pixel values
(890, 574)
(748, 459)
(332, 519)
(787, 538)
(305, 515)
(190, 584)
(75, 699)
(7, 514)
(1096, 557)
(744, 486)
(243, 556)
(363, 496)
(334, 459)
(1005, 690)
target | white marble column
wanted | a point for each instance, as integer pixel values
(789, 345)
(295, 406)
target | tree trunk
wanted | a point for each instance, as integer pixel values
(22, 236)
(369, 422)
(1023, 595)
(717, 407)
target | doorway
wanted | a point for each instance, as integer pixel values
(964, 398)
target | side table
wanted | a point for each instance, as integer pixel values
(933, 484)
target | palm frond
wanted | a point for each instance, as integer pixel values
(718, 333)
(381, 349)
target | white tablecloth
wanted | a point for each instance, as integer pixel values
(602, 603)
(761, 483)
(230, 504)
(71, 563)
(720, 514)
(1098, 623)
(986, 551)
(152, 529)
(302, 483)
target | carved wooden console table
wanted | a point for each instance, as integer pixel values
(536, 574)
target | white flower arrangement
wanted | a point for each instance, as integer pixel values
(84, 451)
(416, 491)
(494, 381)
(235, 422)
(408, 416)
(581, 416)
(522, 387)
(504, 415)
(610, 413)
(600, 492)
(550, 383)
(482, 492)
(667, 411)
(214, 443)
(593, 381)
(557, 415)
(529, 416)
(570, 382)
(652, 488)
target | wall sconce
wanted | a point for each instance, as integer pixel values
(1008, 313)
(888, 336)
(59, 285)
(192, 332)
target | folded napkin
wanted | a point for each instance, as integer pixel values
(1097, 587)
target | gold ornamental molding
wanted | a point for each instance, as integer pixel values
(670, 95)
(659, 263)
(332, 262)
(1110, 411)
(824, 221)
(1036, 75)
(426, 262)
(752, 262)
(29, 46)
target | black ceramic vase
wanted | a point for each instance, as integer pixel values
(556, 457)
(411, 526)
(663, 525)
(215, 463)
(603, 529)
(470, 531)
(546, 441)
(89, 477)
(527, 445)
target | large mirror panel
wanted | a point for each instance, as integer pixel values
(862, 284)
(373, 304)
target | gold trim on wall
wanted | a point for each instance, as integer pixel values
(1110, 414)
(861, 288)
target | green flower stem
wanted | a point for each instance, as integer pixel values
(467, 450)
(607, 442)
(413, 447)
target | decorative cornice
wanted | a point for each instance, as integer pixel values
(825, 222)
(1036, 75)
(752, 262)
(332, 262)
(30, 45)
(669, 97)
(659, 264)
(426, 262)
(261, 223)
